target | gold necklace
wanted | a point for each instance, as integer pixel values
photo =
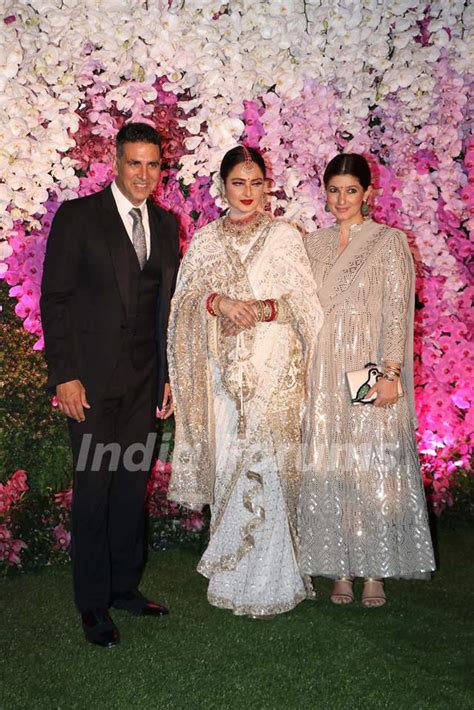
(245, 228)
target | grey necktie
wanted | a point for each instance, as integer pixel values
(138, 236)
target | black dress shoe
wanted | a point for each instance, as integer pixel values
(135, 603)
(99, 628)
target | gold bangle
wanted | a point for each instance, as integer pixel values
(389, 371)
(391, 366)
(216, 305)
(259, 307)
(275, 305)
(267, 311)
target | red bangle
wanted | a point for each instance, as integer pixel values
(209, 302)
(272, 304)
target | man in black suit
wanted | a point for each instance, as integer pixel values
(109, 273)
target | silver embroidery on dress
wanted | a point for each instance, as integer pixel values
(362, 509)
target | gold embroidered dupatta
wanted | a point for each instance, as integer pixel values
(204, 269)
(211, 264)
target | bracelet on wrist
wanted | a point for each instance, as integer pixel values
(267, 311)
(275, 306)
(270, 309)
(391, 366)
(211, 303)
(216, 305)
(391, 372)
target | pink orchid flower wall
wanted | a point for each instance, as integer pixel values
(300, 81)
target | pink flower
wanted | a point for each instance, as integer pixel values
(9, 548)
(13, 555)
(18, 483)
(460, 399)
(62, 538)
(64, 499)
(12, 490)
(193, 522)
(5, 534)
(425, 160)
(5, 500)
(162, 467)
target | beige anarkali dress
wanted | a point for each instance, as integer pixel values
(238, 405)
(362, 510)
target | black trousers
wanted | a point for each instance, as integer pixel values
(112, 465)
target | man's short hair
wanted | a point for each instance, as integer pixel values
(136, 133)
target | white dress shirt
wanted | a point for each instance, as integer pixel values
(124, 206)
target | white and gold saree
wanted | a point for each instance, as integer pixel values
(238, 405)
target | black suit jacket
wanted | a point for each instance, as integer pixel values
(87, 292)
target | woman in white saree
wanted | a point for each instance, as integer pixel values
(242, 333)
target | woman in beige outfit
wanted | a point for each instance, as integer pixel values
(362, 510)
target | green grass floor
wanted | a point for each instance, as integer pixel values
(413, 653)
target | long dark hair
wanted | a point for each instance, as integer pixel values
(349, 164)
(237, 155)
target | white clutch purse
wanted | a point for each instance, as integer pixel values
(361, 381)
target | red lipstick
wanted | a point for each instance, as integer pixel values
(246, 202)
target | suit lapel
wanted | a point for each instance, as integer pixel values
(121, 251)
(155, 230)
(117, 238)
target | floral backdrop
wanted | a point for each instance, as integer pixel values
(299, 79)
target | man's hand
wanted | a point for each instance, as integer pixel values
(72, 399)
(167, 407)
